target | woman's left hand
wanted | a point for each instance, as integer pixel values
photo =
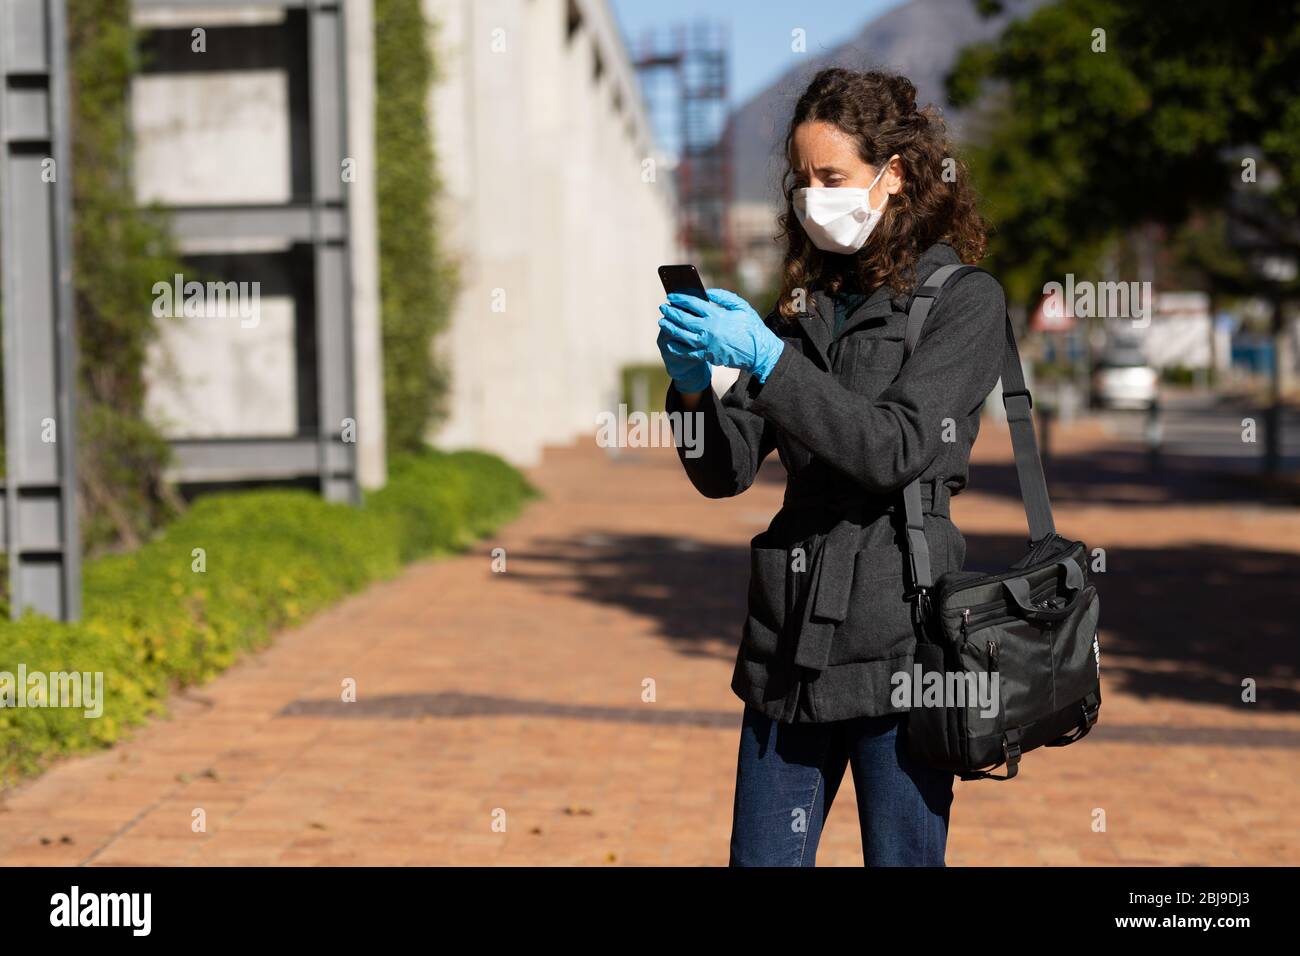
(726, 331)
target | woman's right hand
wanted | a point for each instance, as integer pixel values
(690, 375)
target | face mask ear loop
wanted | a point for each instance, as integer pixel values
(879, 175)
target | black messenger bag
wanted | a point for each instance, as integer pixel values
(1028, 633)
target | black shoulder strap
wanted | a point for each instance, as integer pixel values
(1018, 403)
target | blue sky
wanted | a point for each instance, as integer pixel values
(760, 29)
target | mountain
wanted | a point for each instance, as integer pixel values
(919, 39)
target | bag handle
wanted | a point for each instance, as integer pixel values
(1018, 403)
(1018, 589)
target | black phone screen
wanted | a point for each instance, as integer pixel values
(682, 279)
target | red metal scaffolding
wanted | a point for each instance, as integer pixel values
(698, 57)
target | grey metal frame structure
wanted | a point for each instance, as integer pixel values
(324, 224)
(40, 531)
(38, 517)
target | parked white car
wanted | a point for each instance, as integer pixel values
(1125, 380)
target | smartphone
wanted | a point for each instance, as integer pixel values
(683, 279)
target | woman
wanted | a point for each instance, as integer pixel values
(875, 203)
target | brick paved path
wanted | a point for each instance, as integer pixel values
(518, 696)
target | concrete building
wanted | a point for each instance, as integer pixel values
(556, 208)
(558, 212)
(759, 253)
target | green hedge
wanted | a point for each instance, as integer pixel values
(152, 623)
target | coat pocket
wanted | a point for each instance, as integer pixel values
(878, 624)
(984, 706)
(769, 571)
(1023, 665)
(877, 358)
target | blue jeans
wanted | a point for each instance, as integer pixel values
(787, 776)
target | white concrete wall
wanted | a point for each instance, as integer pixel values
(363, 211)
(211, 138)
(544, 205)
(218, 377)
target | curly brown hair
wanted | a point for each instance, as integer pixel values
(878, 110)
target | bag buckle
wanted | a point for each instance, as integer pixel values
(1017, 393)
(1090, 715)
(920, 599)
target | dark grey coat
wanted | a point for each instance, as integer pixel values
(828, 624)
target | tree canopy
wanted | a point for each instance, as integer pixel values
(1098, 116)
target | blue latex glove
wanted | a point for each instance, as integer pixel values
(725, 331)
(688, 374)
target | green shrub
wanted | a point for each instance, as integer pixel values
(269, 559)
(1182, 375)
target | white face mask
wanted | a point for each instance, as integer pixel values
(838, 219)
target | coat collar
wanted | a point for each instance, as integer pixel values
(819, 319)
(877, 306)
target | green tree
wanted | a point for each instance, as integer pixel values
(1099, 116)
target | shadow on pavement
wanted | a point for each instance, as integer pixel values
(694, 591)
(1120, 477)
(1192, 622)
(1188, 623)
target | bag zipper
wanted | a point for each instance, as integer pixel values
(982, 610)
(1004, 618)
(963, 579)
